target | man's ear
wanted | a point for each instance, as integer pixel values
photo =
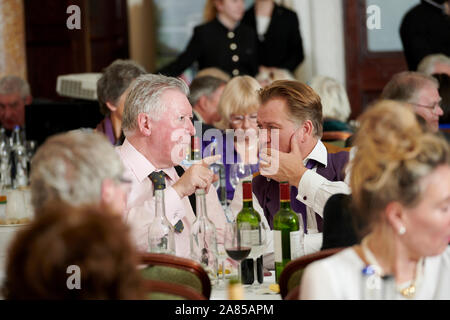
(28, 100)
(110, 106)
(144, 124)
(395, 215)
(202, 103)
(107, 191)
(304, 131)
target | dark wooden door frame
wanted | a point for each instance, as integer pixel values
(366, 72)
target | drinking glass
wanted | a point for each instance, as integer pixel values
(237, 244)
(239, 172)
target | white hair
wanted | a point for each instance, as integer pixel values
(335, 103)
(71, 167)
(14, 84)
(427, 64)
(145, 97)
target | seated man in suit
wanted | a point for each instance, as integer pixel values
(157, 123)
(292, 151)
(14, 96)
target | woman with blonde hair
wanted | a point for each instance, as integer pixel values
(222, 42)
(400, 181)
(238, 108)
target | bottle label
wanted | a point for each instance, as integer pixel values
(251, 237)
(296, 239)
(277, 246)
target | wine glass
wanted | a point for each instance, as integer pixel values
(259, 243)
(238, 172)
(237, 244)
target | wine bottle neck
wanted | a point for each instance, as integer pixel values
(247, 203)
(201, 206)
(160, 210)
(285, 204)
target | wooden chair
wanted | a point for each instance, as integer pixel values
(336, 137)
(163, 290)
(176, 270)
(292, 273)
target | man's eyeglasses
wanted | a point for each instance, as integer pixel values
(433, 108)
(239, 119)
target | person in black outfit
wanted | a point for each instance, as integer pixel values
(280, 46)
(424, 30)
(222, 42)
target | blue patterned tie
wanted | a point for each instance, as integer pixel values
(296, 205)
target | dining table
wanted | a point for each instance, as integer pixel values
(268, 290)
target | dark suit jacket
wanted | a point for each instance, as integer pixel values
(338, 227)
(282, 44)
(424, 30)
(212, 45)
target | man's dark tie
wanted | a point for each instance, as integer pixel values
(299, 206)
(159, 183)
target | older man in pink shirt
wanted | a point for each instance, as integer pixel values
(157, 126)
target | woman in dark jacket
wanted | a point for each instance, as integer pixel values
(280, 42)
(222, 42)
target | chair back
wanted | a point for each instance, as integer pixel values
(337, 138)
(163, 290)
(177, 270)
(292, 273)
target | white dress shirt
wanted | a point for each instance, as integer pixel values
(140, 210)
(340, 277)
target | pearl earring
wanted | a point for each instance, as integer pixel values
(402, 230)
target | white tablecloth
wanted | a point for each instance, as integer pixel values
(264, 293)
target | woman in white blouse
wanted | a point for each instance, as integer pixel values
(401, 190)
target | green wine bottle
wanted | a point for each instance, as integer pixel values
(248, 218)
(248, 214)
(287, 234)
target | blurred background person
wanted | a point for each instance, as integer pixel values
(65, 242)
(401, 192)
(444, 92)
(266, 76)
(419, 90)
(238, 108)
(111, 93)
(335, 104)
(78, 167)
(15, 94)
(279, 40)
(434, 63)
(222, 42)
(213, 72)
(204, 96)
(424, 30)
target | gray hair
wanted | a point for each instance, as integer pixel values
(405, 86)
(71, 167)
(14, 84)
(145, 97)
(427, 64)
(116, 78)
(204, 86)
(335, 103)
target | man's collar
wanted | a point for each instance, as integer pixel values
(319, 153)
(140, 165)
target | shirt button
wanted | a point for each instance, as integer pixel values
(305, 198)
(235, 72)
(233, 46)
(235, 58)
(230, 35)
